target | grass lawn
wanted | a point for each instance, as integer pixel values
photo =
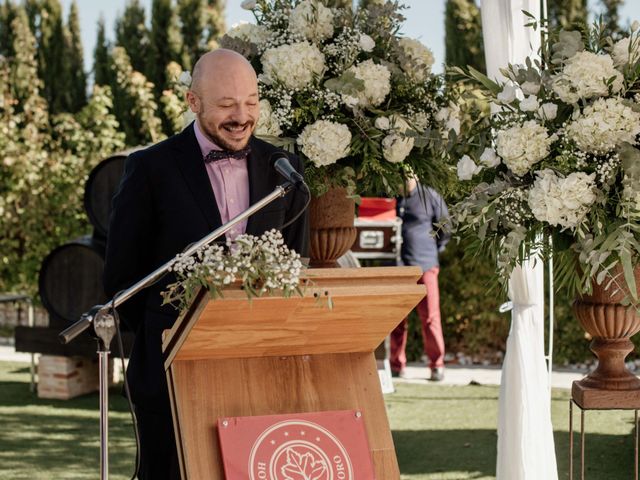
(440, 432)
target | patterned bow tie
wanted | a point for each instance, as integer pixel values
(215, 155)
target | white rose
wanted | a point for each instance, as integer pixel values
(548, 111)
(366, 43)
(396, 146)
(489, 158)
(529, 104)
(467, 168)
(382, 123)
(530, 88)
(185, 78)
(248, 4)
(509, 93)
(626, 51)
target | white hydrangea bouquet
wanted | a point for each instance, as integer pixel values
(259, 265)
(341, 88)
(559, 159)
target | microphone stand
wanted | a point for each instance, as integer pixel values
(104, 323)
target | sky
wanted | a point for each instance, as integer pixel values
(425, 21)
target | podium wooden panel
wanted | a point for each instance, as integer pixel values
(273, 355)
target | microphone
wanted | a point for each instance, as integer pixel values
(284, 168)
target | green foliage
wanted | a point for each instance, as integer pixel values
(77, 96)
(134, 104)
(7, 14)
(102, 72)
(45, 163)
(165, 43)
(52, 56)
(215, 22)
(464, 45)
(193, 20)
(133, 35)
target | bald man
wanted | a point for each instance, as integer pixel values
(171, 195)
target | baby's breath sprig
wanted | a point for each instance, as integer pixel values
(261, 265)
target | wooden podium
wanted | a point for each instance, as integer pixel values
(273, 355)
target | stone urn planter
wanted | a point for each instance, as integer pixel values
(611, 325)
(332, 232)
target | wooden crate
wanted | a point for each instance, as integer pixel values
(68, 377)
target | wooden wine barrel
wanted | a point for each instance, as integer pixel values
(70, 280)
(99, 190)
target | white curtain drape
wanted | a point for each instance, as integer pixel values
(526, 448)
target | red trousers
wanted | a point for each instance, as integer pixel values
(429, 313)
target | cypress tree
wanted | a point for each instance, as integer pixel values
(192, 14)
(33, 8)
(463, 35)
(52, 56)
(101, 57)
(215, 22)
(134, 103)
(133, 35)
(164, 43)
(7, 14)
(567, 14)
(76, 74)
(24, 66)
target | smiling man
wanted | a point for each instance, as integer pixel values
(171, 195)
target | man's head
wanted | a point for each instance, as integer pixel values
(224, 97)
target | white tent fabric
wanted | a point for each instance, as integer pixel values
(525, 435)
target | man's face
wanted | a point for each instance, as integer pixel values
(227, 107)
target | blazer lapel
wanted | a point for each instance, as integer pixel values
(191, 165)
(258, 169)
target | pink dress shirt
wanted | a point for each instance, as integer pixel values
(230, 183)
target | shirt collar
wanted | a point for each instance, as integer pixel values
(205, 144)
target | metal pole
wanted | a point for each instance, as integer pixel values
(551, 313)
(32, 367)
(571, 439)
(88, 317)
(103, 359)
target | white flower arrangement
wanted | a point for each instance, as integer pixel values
(559, 160)
(260, 265)
(348, 70)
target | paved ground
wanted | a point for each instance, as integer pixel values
(484, 375)
(415, 372)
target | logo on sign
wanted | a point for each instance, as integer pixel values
(298, 450)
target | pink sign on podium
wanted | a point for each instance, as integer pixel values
(304, 446)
